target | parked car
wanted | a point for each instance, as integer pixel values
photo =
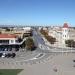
(8, 55)
(9, 49)
(17, 49)
(1, 54)
(13, 55)
(6, 49)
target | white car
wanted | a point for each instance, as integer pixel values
(3, 55)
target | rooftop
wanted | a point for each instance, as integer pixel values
(65, 25)
(7, 36)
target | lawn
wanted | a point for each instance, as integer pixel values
(10, 71)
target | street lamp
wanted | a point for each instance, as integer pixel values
(71, 46)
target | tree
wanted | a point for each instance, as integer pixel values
(29, 44)
(0, 32)
(44, 32)
(70, 43)
(51, 39)
(19, 39)
(7, 29)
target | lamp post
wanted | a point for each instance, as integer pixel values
(71, 46)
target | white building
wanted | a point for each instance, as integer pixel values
(27, 29)
(60, 33)
(65, 31)
(72, 33)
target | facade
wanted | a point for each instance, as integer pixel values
(72, 33)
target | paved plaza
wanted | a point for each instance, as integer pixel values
(56, 64)
(63, 63)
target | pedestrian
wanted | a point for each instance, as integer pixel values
(55, 69)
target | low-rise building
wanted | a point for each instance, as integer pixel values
(8, 39)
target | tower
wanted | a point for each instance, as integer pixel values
(65, 35)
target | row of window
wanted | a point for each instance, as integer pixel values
(65, 35)
(66, 30)
(4, 41)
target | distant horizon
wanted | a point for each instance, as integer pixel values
(44, 25)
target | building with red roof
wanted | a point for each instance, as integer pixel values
(8, 39)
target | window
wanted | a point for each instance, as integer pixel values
(12, 41)
(4, 41)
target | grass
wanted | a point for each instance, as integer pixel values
(10, 71)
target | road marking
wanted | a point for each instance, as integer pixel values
(34, 58)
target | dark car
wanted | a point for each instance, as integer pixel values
(13, 55)
(17, 49)
(3, 49)
(8, 55)
(0, 49)
(9, 49)
(1, 54)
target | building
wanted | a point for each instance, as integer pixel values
(18, 31)
(8, 39)
(72, 33)
(27, 29)
(60, 33)
(65, 31)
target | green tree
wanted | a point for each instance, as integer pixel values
(70, 43)
(0, 32)
(51, 39)
(7, 29)
(29, 44)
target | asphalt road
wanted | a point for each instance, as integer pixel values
(37, 38)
